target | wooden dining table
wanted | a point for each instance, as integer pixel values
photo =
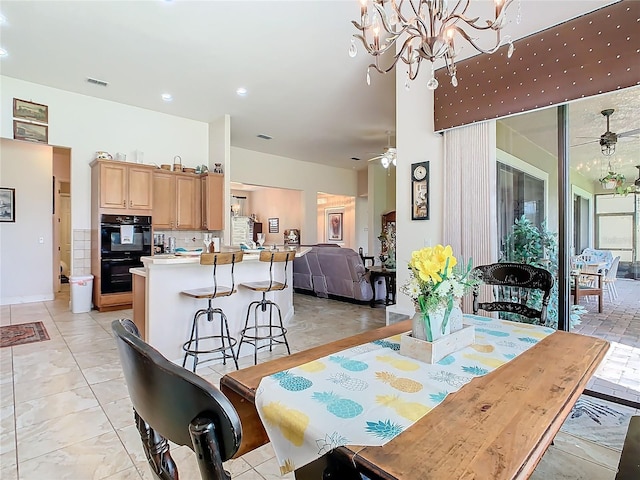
(498, 426)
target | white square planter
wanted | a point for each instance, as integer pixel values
(431, 352)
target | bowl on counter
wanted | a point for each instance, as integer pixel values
(165, 166)
(188, 170)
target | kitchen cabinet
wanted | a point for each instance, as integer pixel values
(124, 187)
(176, 202)
(212, 201)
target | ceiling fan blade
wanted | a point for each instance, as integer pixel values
(629, 133)
(583, 143)
(593, 138)
(375, 158)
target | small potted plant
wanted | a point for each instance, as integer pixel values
(612, 181)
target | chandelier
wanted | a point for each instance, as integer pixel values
(428, 29)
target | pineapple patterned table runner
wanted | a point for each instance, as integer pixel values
(368, 394)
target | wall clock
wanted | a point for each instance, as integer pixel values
(420, 191)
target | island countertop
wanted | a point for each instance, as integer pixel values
(194, 257)
(164, 315)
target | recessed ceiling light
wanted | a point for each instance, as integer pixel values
(242, 92)
(264, 137)
(167, 97)
(355, 158)
(3, 52)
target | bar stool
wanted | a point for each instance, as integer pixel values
(212, 343)
(277, 333)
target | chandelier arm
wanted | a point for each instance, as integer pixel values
(396, 58)
(478, 47)
(370, 48)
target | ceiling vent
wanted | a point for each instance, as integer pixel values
(264, 137)
(95, 81)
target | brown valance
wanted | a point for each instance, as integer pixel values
(596, 53)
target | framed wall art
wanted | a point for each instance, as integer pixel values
(33, 112)
(32, 132)
(335, 218)
(274, 225)
(7, 204)
(420, 191)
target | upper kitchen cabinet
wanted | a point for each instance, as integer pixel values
(123, 187)
(212, 201)
(176, 201)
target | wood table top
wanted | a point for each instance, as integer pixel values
(498, 426)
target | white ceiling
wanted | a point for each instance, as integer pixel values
(304, 90)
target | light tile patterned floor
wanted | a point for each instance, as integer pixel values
(65, 411)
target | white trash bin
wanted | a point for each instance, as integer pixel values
(81, 292)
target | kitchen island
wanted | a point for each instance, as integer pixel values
(164, 316)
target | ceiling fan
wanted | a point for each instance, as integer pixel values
(389, 156)
(609, 139)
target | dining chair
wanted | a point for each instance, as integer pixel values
(170, 403)
(517, 288)
(610, 280)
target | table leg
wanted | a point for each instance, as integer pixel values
(372, 279)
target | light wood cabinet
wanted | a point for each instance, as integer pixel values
(125, 187)
(176, 201)
(212, 201)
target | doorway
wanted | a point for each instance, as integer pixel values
(61, 221)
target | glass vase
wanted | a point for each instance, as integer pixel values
(428, 325)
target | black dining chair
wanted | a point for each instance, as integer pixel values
(172, 403)
(514, 288)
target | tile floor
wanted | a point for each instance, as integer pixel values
(65, 411)
(619, 323)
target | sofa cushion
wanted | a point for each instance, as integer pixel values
(333, 271)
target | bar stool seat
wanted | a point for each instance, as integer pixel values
(222, 343)
(277, 333)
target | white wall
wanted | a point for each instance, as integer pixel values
(87, 124)
(415, 142)
(257, 168)
(25, 273)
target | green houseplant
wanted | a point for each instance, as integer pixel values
(526, 243)
(614, 181)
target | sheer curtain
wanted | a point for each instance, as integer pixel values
(470, 220)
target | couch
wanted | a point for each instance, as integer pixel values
(332, 270)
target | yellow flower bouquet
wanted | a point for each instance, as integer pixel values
(436, 285)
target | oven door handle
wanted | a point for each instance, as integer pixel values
(114, 260)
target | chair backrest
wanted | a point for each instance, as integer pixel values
(219, 258)
(277, 257)
(612, 273)
(514, 285)
(172, 403)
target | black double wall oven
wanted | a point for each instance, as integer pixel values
(124, 239)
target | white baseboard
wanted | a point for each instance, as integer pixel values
(28, 299)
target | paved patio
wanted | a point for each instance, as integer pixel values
(619, 323)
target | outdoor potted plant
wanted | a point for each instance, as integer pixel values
(612, 180)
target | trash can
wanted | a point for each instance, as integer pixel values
(81, 292)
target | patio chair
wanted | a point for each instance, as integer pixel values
(610, 280)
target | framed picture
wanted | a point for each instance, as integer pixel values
(7, 204)
(334, 225)
(292, 236)
(34, 112)
(420, 191)
(30, 131)
(274, 225)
